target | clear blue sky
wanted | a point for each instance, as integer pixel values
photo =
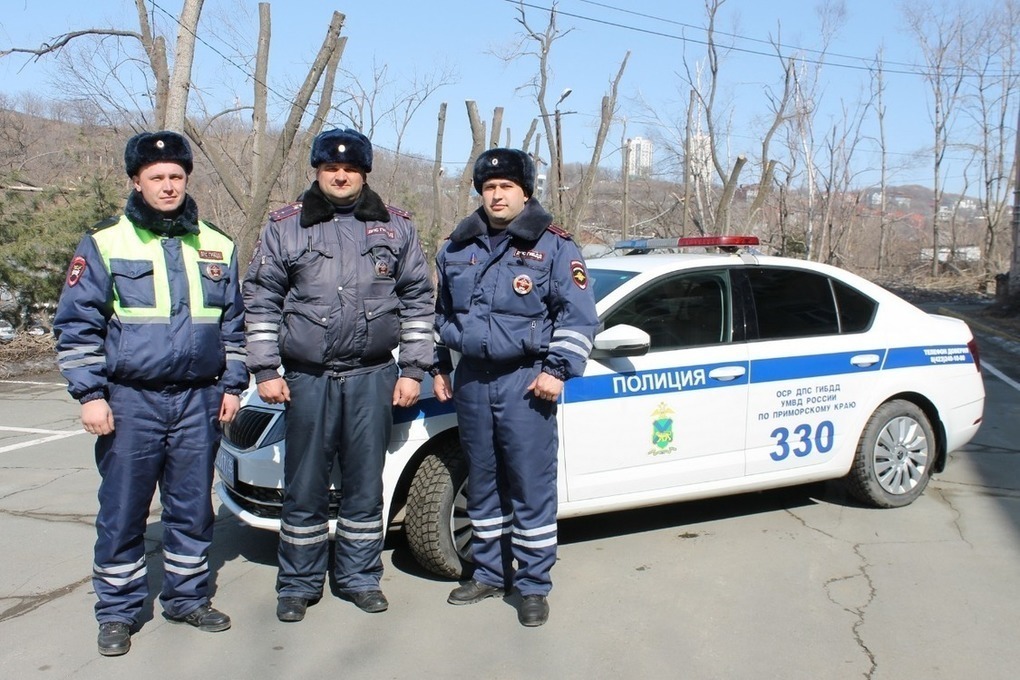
(418, 37)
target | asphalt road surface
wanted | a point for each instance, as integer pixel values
(797, 583)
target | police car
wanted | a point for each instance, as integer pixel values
(713, 373)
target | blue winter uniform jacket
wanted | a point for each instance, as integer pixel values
(151, 302)
(529, 300)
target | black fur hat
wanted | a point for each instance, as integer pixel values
(342, 146)
(512, 164)
(157, 147)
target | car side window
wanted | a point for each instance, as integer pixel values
(856, 310)
(680, 311)
(791, 303)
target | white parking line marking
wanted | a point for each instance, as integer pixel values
(1000, 375)
(54, 435)
(33, 430)
(31, 382)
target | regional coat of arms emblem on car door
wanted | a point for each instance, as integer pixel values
(662, 431)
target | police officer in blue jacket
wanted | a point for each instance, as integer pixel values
(514, 301)
(150, 337)
(338, 281)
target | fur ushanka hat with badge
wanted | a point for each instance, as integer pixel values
(349, 147)
(157, 147)
(512, 164)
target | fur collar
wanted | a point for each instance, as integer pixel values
(529, 225)
(317, 208)
(143, 215)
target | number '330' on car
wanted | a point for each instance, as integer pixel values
(713, 373)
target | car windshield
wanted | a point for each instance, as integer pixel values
(605, 281)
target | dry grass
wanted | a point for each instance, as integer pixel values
(27, 354)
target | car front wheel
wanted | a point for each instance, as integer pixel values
(435, 520)
(894, 456)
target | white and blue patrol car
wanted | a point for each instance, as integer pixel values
(712, 374)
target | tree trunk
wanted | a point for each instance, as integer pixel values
(184, 56)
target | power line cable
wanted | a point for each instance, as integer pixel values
(910, 70)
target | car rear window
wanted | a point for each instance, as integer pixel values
(792, 303)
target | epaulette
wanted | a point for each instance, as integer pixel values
(559, 231)
(104, 224)
(285, 212)
(399, 212)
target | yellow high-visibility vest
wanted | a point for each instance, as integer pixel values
(135, 259)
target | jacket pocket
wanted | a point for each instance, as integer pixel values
(522, 290)
(133, 282)
(382, 324)
(214, 283)
(460, 279)
(303, 333)
(514, 337)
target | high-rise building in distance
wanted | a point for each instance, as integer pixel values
(639, 162)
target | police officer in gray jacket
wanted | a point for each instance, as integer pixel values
(514, 301)
(337, 281)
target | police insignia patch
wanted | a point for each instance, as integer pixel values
(75, 271)
(214, 271)
(662, 431)
(382, 269)
(210, 254)
(578, 274)
(523, 284)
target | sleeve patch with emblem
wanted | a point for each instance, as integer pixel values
(578, 274)
(75, 271)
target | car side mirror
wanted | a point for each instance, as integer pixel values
(621, 341)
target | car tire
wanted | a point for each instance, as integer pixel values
(894, 457)
(435, 519)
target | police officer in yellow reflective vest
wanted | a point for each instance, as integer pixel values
(150, 337)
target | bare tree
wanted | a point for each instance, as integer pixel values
(366, 106)
(607, 114)
(943, 34)
(878, 92)
(538, 44)
(994, 81)
(167, 92)
(477, 147)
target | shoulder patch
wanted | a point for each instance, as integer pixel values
(75, 271)
(104, 224)
(399, 212)
(285, 212)
(559, 231)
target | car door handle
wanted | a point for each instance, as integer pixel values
(865, 360)
(727, 373)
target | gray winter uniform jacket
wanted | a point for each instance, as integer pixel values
(335, 292)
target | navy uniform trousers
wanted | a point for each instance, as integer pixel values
(165, 438)
(510, 439)
(347, 419)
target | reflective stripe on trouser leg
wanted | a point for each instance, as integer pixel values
(186, 494)
(482, 399)
(526, 436)
(489, 518)
(366, 423)
(130, 461)
(313, 424)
